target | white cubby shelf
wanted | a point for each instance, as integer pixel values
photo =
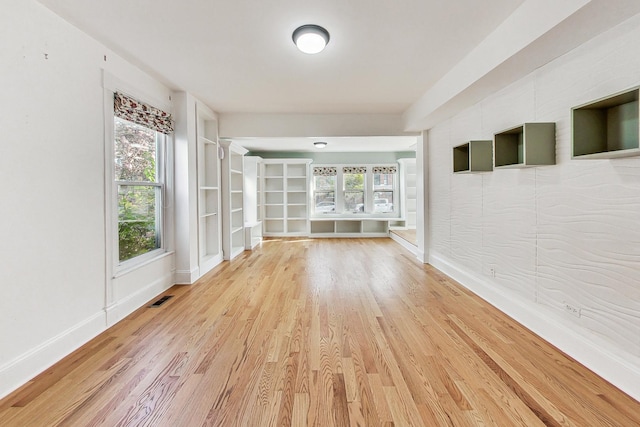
(607, 128)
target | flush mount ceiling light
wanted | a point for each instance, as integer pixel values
(310, 38)
(320, 144)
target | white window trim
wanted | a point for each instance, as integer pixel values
(368, 193)
(112, 84)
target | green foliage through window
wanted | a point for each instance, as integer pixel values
(137, 221)
(354, 181)
(136, 149)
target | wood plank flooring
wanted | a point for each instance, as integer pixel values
(336, 332)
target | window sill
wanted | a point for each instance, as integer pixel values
(125, 269)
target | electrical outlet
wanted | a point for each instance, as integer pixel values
(492, 272)
(571, 309)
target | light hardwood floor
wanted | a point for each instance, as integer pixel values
(319, 332)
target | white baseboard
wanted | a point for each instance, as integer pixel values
(131, 303)
(23, 368)
(408, 246)
(186, 277)
(614, 364)
(208, 265)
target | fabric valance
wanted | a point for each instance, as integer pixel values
(325, 171)
(385, 169)
(354, 169)
(143, 114)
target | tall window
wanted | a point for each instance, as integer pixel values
(324, 194)
(354, 187)
(139, 176)
(384, 187)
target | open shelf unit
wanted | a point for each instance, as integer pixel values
(408, 193)
(531, 144)
(252, 202)
(347, 227)
(233, 243)
(285, 197)
(607, 128)
(473, 156)
(209, 221)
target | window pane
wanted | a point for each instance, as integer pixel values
(324, 182)
(324, 194)
(383, 201)
(135, 152)
(325, 201)
(138, 220)
(354, 192)
(354, 201)
(354, 181)
(383, 181)
(383, 192)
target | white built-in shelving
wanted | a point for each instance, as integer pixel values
(209, 221)
(349, 227)
(233, 243)
(252, 202)
(285, 197)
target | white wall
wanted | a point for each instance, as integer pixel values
(53, 277)
(557, 234)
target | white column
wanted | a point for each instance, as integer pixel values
(422, 196)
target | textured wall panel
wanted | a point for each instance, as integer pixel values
(440, 170)
(558, 235)
(467, 126)
(466, 194)
(589, 240)
(509, 225)
(466, 220)
(589, 245)
(605, 65)
(509, 108)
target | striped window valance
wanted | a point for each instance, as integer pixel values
(325, 171)
(354, 169)
(385, 169)
(140, 113)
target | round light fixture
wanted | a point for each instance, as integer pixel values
(310, 38)
(320, 144)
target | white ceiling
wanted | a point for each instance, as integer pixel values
(238, 56)
(408, 58)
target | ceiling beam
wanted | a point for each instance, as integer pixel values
(246, 125)
(535, 34)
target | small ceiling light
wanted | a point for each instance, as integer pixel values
(320, 144)
(311, 38)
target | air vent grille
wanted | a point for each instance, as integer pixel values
(161, 301)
